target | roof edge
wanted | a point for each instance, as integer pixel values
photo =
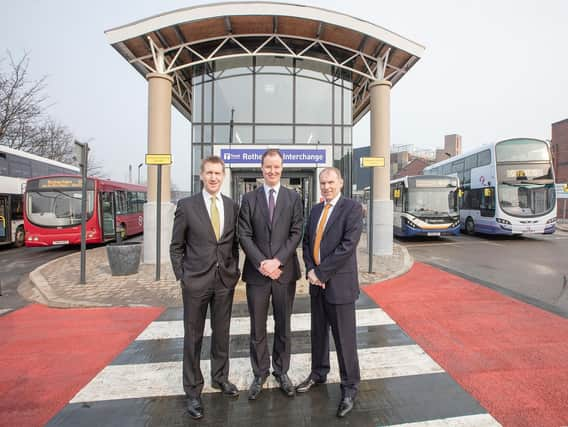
(252, 8)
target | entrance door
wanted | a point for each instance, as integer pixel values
(299, 181)
(4, 220)
(107, 215)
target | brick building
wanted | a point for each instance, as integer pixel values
(559, 147)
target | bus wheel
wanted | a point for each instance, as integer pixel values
(469, 226)
(20, 237)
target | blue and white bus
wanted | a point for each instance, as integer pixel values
(508, 187)
(15, 168)
(425, 205)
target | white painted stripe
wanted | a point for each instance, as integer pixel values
(5, 310)
(165, 379)
(479, 420)
(241, 325)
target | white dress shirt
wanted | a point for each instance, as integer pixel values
(220, 208)
(267, 192)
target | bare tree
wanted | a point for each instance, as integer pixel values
(54, 141)
(21, 103)
(23, 122)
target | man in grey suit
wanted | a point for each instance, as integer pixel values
(330, 254)
(270, 229)
(204, 253)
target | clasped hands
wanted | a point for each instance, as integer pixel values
(313, 279)
(271, 268)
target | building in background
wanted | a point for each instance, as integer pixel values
(405, 160)
(559, 147)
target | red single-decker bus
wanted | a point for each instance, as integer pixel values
(52, 212)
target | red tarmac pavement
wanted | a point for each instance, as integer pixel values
(48, 355)
(512, 357)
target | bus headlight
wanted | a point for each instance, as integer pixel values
(551, 220)
(503, 221)
(410, 223)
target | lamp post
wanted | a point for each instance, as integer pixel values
(139, 166)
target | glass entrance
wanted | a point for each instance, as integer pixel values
(300, 181)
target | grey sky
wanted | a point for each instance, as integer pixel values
(492, 69)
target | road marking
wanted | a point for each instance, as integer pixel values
(165, 379)
(479, 420)
(241, 325)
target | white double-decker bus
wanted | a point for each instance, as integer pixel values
(508, 187)
(15, 168)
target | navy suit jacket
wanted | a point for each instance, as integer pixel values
(338, 251)
(261, 240)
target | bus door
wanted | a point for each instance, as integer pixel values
(4, 220)
(107, 215)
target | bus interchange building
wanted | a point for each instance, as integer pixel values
(253, 75)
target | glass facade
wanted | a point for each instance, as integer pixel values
(272, 101)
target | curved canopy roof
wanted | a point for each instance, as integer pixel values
(174, 42)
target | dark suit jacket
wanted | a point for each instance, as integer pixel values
(338, 249)
(195, 252)
(261, 240)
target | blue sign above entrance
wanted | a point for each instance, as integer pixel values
(240, 155)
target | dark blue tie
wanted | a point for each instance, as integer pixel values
(271, 205)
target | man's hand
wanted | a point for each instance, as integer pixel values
(313, 279)
(271, 268)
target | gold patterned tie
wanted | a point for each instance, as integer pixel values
(215, 217)
(319, 233)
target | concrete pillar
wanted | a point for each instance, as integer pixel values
(380, 146)
(159, 142)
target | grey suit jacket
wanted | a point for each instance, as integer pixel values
(195, 252)
(261, 240)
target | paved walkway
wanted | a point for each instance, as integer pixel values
(56, 283)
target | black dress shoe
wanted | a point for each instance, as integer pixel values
(227, 387)
(345, 406)
(256, 387)
(307, 384)
(194, 407)
(285, 384)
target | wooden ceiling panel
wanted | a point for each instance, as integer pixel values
(371, 45)
(297, 27)
(137, 47)
(398, 58)
(169, 34)
(204, 29)
(341, 36)
(252, 24)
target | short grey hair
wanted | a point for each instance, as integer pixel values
(330, 169)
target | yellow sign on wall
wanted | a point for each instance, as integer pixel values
(371, 162)
(565, 188)
(158, 159)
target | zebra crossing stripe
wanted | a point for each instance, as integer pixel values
(478, 420)
(241, 325)
(164, 379)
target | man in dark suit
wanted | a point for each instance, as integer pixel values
(270, 229)
(204, 252)
(330, 255)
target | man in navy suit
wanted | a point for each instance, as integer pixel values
(330, 255)
(270, 229)
(205, 256)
